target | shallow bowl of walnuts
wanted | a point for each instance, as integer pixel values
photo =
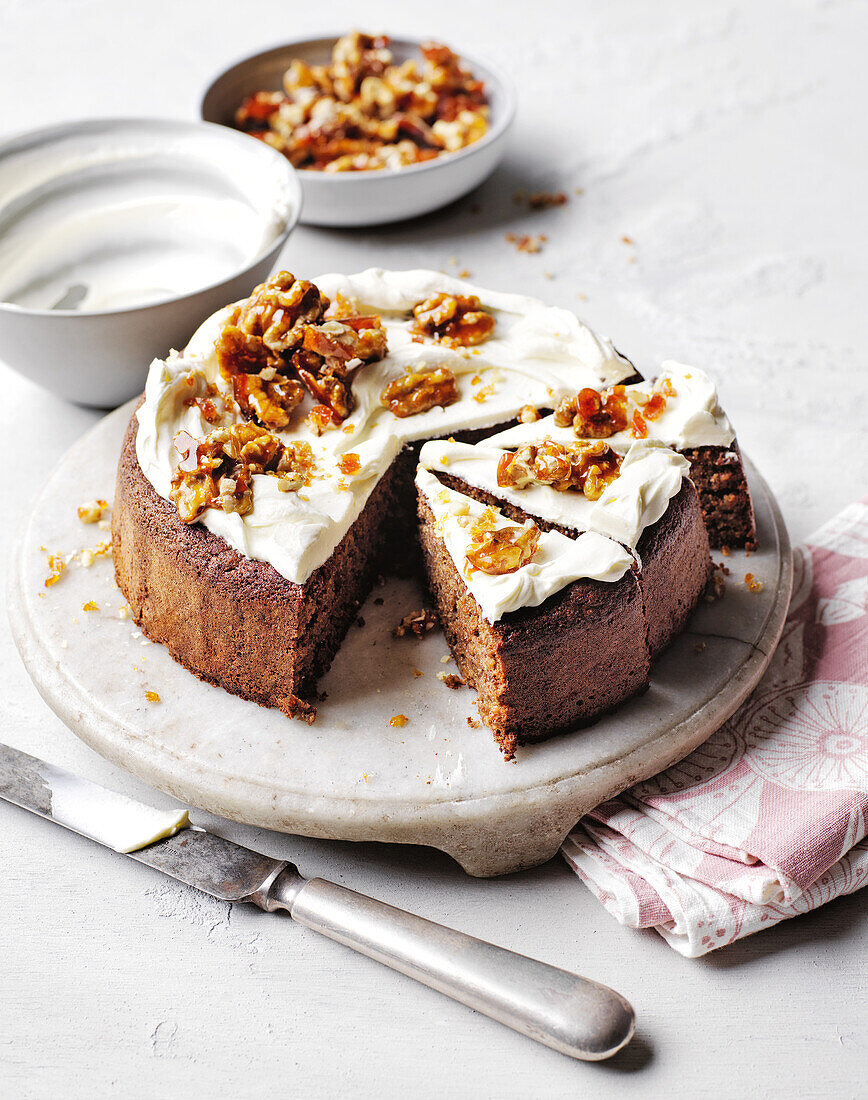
(379, 129)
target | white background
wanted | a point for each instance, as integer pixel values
(728, 141)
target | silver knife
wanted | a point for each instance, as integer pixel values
(573, 1015)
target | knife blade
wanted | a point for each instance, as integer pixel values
(571, 1014)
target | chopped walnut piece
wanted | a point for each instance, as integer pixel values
(474, 725)
(217, 472)
(455, 320)
(540, 200)
(92, 511)
(277, 344)
(450, 679)
(527, 414)
(419, 623)
(498, 550)
(526, 243)
(399, 720)
(586, 466)
(417, 392)
(594, 414)
(56, 565)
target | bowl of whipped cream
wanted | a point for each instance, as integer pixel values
(119, 236)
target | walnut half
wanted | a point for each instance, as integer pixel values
(417, 392)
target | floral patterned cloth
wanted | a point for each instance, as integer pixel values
(768, 818)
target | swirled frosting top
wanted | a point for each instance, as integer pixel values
(536, 355)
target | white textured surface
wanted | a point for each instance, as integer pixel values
(724, 139)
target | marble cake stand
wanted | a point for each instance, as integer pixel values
(351, 776)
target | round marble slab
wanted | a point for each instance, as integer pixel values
(439, 780)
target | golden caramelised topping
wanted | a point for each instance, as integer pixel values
(363, 111)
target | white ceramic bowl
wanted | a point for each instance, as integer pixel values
(388, 195)
(100, 215)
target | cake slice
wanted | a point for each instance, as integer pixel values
(679, 409)
(558, 576)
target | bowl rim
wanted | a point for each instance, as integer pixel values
(497, 129)
(82, 125)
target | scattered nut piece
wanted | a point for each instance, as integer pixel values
(152, 697)
(89, 606)
(56, 565)
(399, 720)
(586, 466)
(527, 414)
(92, 511)
(450, 679)
(716, 586)
(417, 673)
(526, 243)
(418, 391)
(419, 623)
(540, 200)
(453, 319)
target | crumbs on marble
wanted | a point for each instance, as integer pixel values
(700, 647)
(525, 242)
(450, 679)
(92, 510)
(752, 583)
(152, 697)
(417, 673)
(90, 606)
(474, 725)
(399, 720)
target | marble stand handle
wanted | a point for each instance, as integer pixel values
(573, 1015)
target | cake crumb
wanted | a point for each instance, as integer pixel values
(87, 558)
(89, 606)
(627, 240)
(699, 647)
(360, 622)
(417, 673)
(152, 697)
(418, 623)
(56, 565)
(124, 612)
(541, 200)
(474, 725)
(716, 586)
(450, 679)
(752, 583)
(92, 511)
(399, 720)
(526, 243)
(725, 550)
(446, 659)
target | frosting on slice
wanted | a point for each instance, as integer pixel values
(691, 416)
(557, 562)
(650, 476)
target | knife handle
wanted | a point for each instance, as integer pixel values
(573, 1015)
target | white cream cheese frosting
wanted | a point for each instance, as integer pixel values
(691, 417)
(537, 355)
(650, 476)
(557, 562)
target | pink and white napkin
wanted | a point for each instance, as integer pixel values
(768, 818)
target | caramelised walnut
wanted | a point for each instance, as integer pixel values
(364, 112)
(216, 472)
(500, 550)
(594, 414)
(586, 466)
(453, 319)
(417, 392)
(277, 344)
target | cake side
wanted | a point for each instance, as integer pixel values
(675, 566)
(232, 620)
(718, 474)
